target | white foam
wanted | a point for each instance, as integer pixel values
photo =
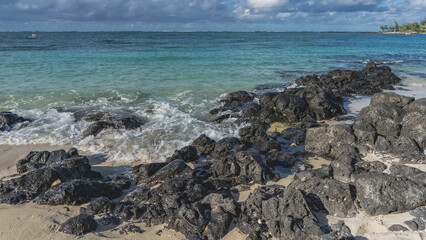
(168, 128)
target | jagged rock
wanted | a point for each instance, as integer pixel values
(414, 127)
(397, 228)
(251, 210)
(290, 108)
(220, 223)
(323, 103)
(145, 171)
(368, 81)
(79, 225)
(254, 134)
(108, 120)
(338, 231)
(240, 96)
(391, 97)
(79, 166)
(418, 105)
(190, 220)
(290, 217)
(175, 168)
(32, 184)
(216, 211)
(411, 173)
(98, 205)
(384, 117)
(381, 193)
(95, 128)
(188, 154)
(204, 145)
(9, 120)
(242, 167)
(336, 198)
(333, 140)
(284, 213)
(38, 159)
(77, 192)
(227, 146)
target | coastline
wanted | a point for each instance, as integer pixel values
(360, 225)
(404, 33)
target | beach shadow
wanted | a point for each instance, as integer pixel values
(100, 164)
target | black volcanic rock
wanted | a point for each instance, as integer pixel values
(370, 80)
(242, 167)
(95, 128)
(79, 225)
(103, 120)
(336, 198)
(176, 168)
(9, 120)
(188, 154)
(381, 193)
(204, 145)
(284, 214)
(76, 192)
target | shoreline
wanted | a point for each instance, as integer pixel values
(286, 162)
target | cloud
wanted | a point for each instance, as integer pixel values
(266, 5)
(145, 10)
(189, 13)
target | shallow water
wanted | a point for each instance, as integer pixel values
(170, 79)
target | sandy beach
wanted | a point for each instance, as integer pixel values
(35, 221)
(315, 157)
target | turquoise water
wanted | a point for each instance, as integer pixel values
(171, 79)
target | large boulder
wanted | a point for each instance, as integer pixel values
(411, 173)
(9, 120)
(76, 192)
(383, 117)
(104, 120)
(323, 103)
(145, 171)
(242, 167)
(79, 225)
(188, 154)
(368, 81)
(414, 127)
(175, 168)
(285, 214)
(381, 193)
(204, 145)
(337, 198)
(391, 97)
(334, 140)
(29, 186)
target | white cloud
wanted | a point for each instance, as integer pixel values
(266, 5)
(210, 12)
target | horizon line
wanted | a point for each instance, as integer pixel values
(194, 31)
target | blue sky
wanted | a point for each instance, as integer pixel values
(206, 15)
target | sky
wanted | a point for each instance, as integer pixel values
(206, 15)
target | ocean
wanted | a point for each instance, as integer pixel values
(170, 79)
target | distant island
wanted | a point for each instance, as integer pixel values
(416, 27)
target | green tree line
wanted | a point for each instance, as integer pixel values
(409, 27)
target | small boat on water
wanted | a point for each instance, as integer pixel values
(33, 35)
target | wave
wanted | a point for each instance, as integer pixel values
(167, 128)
